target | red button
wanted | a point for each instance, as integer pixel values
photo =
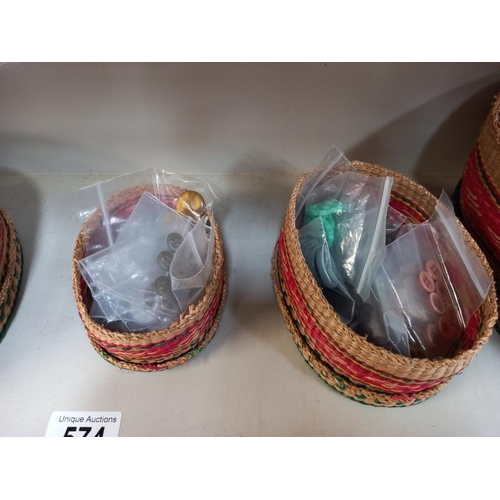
(437, 303)
(433, 269)
(431, 334)
(442, 290)
(447, 328)
(426, 281)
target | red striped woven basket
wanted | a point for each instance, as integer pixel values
(480, 189)
(160, 349)
(345, 360)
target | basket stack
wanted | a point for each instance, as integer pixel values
(10, 267)
(160, 349)
(345, 360)
(479, 193)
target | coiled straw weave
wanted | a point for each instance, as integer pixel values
(11, 261)
(479, 194)
(345, 360)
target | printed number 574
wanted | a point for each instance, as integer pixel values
(85, 430)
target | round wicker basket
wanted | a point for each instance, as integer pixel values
(10, 267)
(345, 360)
(159, 349)
(479, 192)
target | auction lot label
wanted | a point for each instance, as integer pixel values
(84, 424)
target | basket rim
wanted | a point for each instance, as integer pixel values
(495, 117)
(4, 245)
(179, 325)
(291, 238)
(9, 288)
(11, 257)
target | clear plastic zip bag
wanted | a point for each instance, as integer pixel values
(192, 266)
(333, 163)
(318, 257)
(394, 225)
(428, 288)
(123, 279)
(353, 208)
(103, 198)
(131, 281)
(361, 228)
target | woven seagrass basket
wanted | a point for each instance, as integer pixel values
(345, 360)
(479, 192)
(159, 349)
(11, 261)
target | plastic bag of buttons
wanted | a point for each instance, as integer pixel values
(126, 246)
(319, 258)
(427, 289)
(353, 208)
(130, 280)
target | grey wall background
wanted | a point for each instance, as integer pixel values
(419, 119)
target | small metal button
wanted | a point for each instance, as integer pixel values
(163, 286)
(192, 204)
(174, 241)
(165, 259)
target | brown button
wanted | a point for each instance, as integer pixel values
(174, 241)
(165, 259)
(163, 286)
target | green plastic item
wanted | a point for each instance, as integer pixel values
(326, 210)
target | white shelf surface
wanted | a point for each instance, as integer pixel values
(249, 381)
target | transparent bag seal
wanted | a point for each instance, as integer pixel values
(101, 199)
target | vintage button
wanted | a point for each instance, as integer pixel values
(192, 204)
(450, 310)
(163, 285)
(433, 269)
(431, 334)
(443, 325)
(447, 328)
(441, 290)
(437, 303)
(174, 241)
(165, 259)
(425, 279)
